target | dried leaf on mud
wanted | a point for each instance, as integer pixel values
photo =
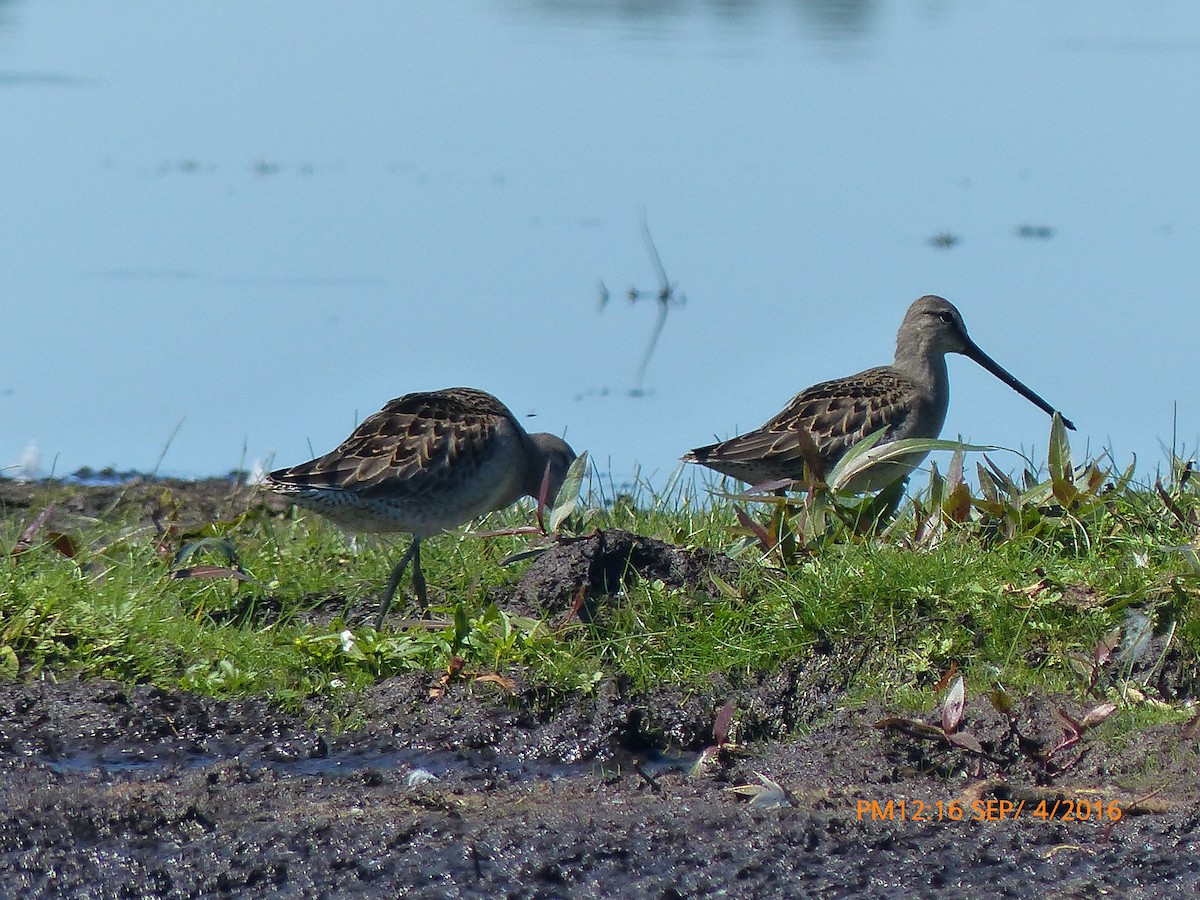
(952, 708)
(768, 795)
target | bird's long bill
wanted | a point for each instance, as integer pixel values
(972, 351)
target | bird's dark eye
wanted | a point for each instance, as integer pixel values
(946, 316)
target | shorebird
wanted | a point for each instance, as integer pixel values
(425, 463)
(907, 399)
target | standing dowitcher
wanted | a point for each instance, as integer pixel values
(425, 463)
(907, 398)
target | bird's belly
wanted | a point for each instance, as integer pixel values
(358, 513)
(492, 485)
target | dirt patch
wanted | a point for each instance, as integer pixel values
(112, 790)
(576, 574)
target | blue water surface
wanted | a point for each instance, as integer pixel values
(232, 230)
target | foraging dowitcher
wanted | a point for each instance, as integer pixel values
(425, 463)
(907, 398)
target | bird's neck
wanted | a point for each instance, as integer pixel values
(535, 472)
(925, 366)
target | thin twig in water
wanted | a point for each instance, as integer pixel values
(665, 295)
(666, 292)
(658, 327)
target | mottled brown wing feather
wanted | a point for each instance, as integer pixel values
(413, 446)
(836, 414)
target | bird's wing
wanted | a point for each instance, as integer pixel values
(835, 415)
(415, 445)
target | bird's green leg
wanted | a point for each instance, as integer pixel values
(413, 553)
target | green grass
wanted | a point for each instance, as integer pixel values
(1022, 604)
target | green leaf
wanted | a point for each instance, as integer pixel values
(954, 475)
(728, 591)
(1058, 460)
(462, 626)
(1001, 701)
(568, 494)
(815, 519)
(220, 545)
(850, 459)
(1003, 481)
(937, 485)
(987, 485)
(528, 553)
(869, 452)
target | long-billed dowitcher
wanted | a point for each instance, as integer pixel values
(425, 463)
(907, 398)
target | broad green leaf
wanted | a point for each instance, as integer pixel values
(568, 494)
(869, 452)
(815, 519)
(1001, 701)
(850, 457)
(1058, 460)
(957, 502)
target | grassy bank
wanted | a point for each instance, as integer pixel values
(1080, 580)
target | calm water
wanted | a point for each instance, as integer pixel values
(263, 220)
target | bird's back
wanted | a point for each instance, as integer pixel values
(835, 415)
(426, 461)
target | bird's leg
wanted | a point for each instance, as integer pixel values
(418, 577)
(412, 553)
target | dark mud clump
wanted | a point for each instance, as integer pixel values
(577, 573)
(458, 790)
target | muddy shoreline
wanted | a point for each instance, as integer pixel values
(112, 791)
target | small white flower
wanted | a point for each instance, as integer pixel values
(347, 637)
